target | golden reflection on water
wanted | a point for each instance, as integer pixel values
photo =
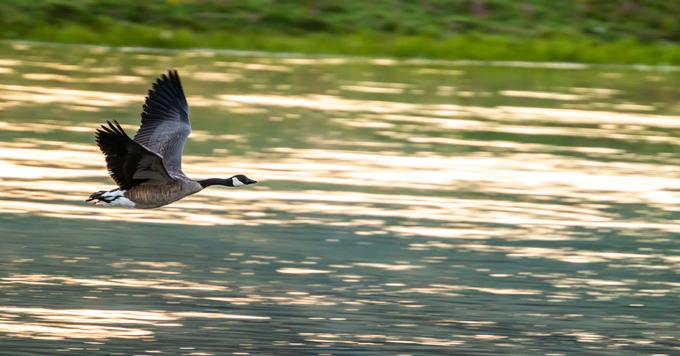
(31, 169)
(42, 95)
(391, 167)
(440, 112)
(55, 324)
(41, 172)
(170, 284)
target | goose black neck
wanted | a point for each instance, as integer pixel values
(216, 181)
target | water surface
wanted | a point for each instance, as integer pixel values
(403, 208)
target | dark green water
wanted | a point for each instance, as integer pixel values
(408, 208)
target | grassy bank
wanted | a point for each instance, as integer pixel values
(467, 46)
(538, 30)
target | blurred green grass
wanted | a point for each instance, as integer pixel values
(593, 31)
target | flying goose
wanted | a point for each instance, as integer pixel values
(148, 169)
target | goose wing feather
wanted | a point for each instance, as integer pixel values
(129, 162)
(165, 121)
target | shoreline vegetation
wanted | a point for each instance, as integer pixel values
(481, 30)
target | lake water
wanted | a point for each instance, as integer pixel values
(404, 207)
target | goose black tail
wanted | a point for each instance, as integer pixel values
(95, 195)
(104, 196)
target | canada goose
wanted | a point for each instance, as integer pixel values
(148, 169)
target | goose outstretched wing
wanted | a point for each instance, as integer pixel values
(165, 121)
(129, 162)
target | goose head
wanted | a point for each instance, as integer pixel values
(239, 180)
(233, 181)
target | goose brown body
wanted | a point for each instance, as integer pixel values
(148, 168)
(149, 195)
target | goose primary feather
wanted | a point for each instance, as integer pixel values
(148, 168)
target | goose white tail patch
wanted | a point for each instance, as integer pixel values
(114, 198)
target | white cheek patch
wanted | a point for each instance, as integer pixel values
(236, 182)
